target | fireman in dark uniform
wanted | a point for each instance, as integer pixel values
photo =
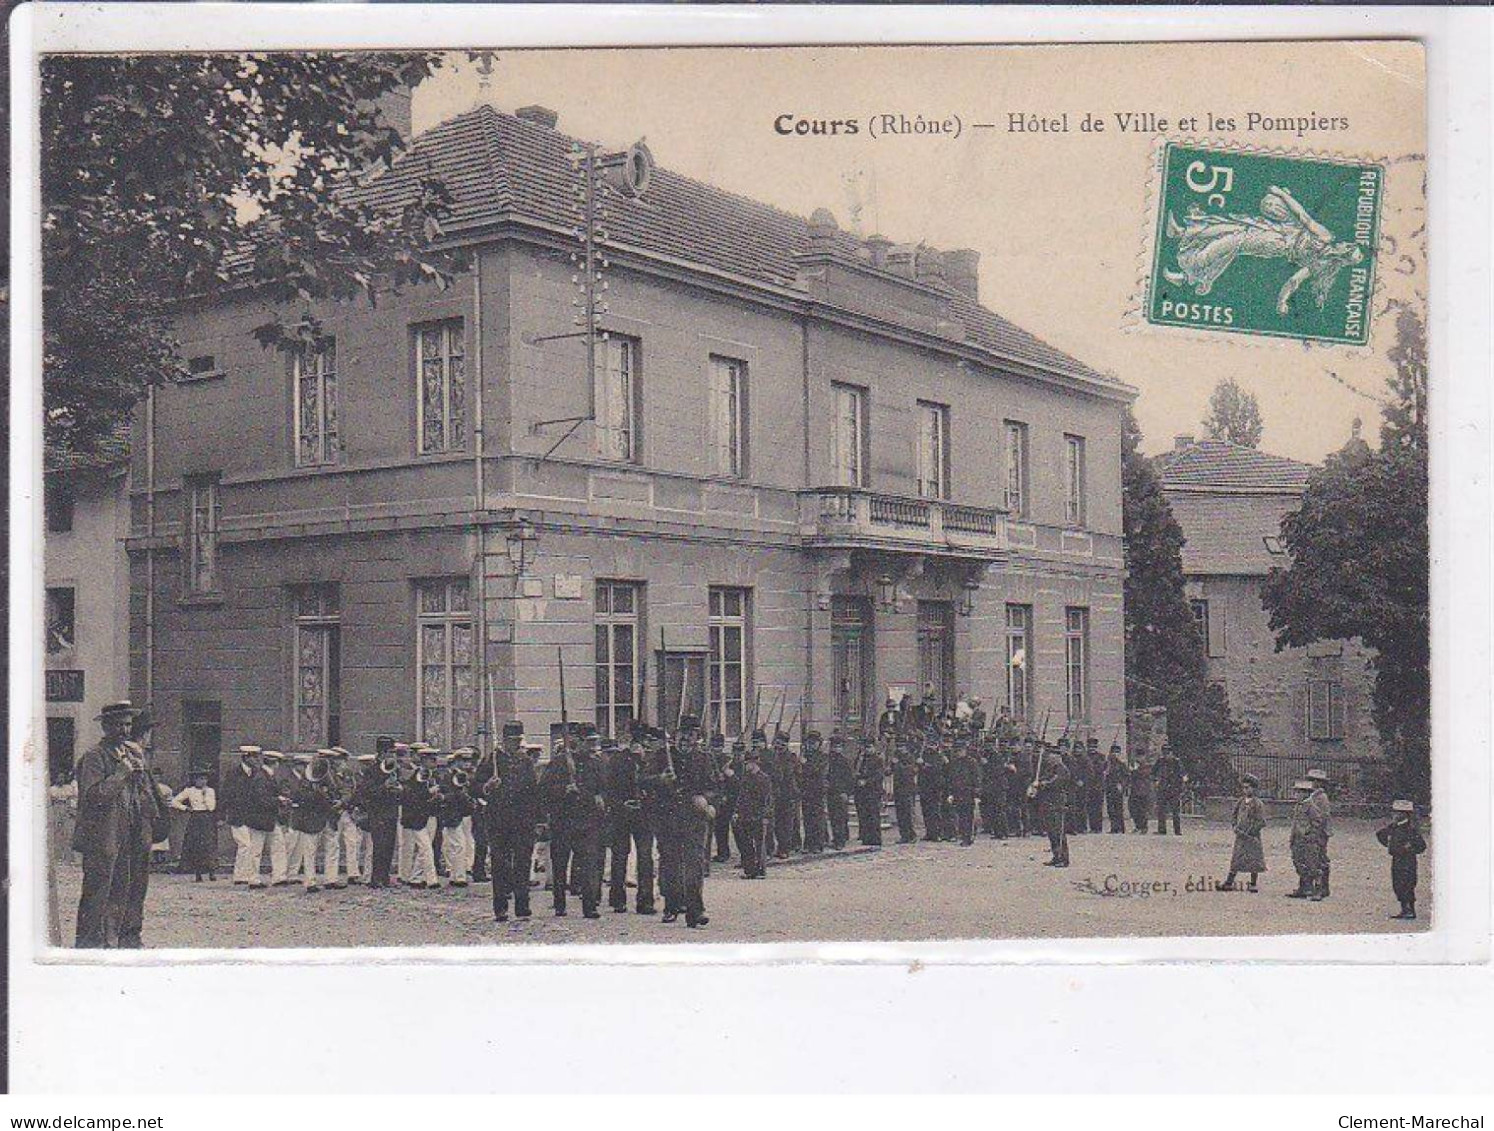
(754, 810)
(905, 789)
(932, 787)
(1115, 788)
(869, 774)
(730, 768)
(629, 829)
(511, 810)
(813, 775)
(964, 785)
(840, 783)
(1051, 789)
(575, 803)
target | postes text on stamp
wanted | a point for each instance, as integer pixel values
(1265, 244)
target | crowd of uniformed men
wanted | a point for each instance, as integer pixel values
(421, 817)
(334, 818)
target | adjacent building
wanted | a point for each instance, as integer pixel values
(806, 469)
(86, 571)
(1305, 706)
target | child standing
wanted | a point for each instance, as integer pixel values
(1249, 820)
(1405, 843)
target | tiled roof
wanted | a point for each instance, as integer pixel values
(498, 167)
(1222, 466)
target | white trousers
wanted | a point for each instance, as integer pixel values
(278, 839)
(249, 847)
(303, 857)
(330, 841)
(458, 851)
(356, 844)
(417, 854)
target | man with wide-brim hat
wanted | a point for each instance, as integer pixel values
(1403, 840)
(1322, 814)
(1305, 847)
(117, 806)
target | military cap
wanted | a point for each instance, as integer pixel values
(1093, 743)
(464, 752)
(1403, 806)
(718, 742)
(1115, 748)
(273, 756)
(813, 736)
(759, 735)
(402, 748)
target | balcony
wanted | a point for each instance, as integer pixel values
(852, 518)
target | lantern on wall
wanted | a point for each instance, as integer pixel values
(522, 540)
(967, 597)
(887, 593)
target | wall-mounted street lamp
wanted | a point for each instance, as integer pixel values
(967, 597)
(887, 593)
(522, 542)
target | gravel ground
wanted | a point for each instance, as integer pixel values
(994, 889)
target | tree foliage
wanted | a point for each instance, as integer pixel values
(1234, 415)
(171, 176)
(1166, 664)
(1360, 562)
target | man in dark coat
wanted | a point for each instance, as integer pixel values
(869, 774)
(1051, 790)
(575, 805)
(993, 789)
(730, 767)
(754, 810)
(785, 770)
(813, 776)
(511, 810)
(1139, 796)
(694, 812)
(840, 783)
(1115, 777)
(1167, 785)
(629, 830)
(1403, 840)
(1020, 805)
(1073, 757)
(251, 806)
(1094, 786)
(964, 785)
(117, 805)
(905, 790)
(933, 785)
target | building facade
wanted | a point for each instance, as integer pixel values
(803, 470)
(87, 596)
(1303, 705)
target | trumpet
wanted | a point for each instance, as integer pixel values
(317, 771)
(460, 779)
(389, 766)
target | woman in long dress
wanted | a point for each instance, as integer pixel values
(1250, 819)
(200, 844)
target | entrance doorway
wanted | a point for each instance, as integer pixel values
(936, 663)
(852, 660)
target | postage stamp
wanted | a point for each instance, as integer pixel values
(1265, 244)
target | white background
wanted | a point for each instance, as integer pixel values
(1130, 1016)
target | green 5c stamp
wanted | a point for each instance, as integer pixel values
(1267, 244)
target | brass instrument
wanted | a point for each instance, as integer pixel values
(317, 770)
(460, 779)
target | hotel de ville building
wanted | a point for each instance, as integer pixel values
(803, 467)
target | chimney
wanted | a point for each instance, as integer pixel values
(900, 259)
(822, 229)
(1181, 441)
(962, 270)
(393, 107)
(539, 115)
(928, 265)
(877, 246)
